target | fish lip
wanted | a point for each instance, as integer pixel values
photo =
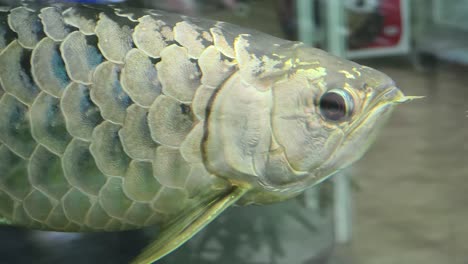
(388, 97)
(392, 94)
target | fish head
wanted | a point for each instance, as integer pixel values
(289, 120)
(325, 115)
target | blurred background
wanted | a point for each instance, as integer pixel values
(406, 201)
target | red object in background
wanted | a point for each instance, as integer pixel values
(390, 29)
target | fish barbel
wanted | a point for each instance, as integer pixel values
(114, 119)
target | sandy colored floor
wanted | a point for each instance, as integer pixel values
(413, 202)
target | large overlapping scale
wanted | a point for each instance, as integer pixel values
(102, 115)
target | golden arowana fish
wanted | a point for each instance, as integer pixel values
(117, 119)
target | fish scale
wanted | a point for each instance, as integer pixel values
(115, 119)
(94, 117)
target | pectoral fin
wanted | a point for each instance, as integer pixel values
(4, 221)
(187, 226)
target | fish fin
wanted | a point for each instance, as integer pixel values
(186, 227)
(4, 221)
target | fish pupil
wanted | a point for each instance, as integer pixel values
(333, 106)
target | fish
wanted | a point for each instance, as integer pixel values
(120, 118)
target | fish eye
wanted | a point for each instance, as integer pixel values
(336, 105)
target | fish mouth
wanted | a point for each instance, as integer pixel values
(391, 95)
(382, 103)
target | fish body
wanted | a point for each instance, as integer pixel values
(115, 119)
(93, 115)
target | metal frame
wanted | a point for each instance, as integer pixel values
(335, 43)
(335, 40)
(439, 34)
(306, 29)
(438, 6)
